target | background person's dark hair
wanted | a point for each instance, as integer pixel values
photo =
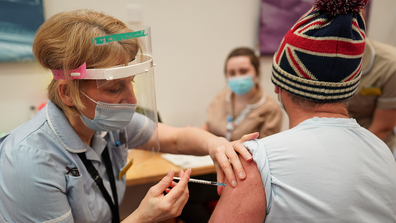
(244, 51)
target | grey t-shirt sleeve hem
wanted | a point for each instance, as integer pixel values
(257, 149)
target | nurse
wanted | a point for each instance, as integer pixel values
(65, 164)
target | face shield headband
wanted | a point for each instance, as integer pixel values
(116, 72)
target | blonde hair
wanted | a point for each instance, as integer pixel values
(63, 42)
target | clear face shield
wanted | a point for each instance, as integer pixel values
(123, 93)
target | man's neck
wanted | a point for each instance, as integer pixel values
(298, 114)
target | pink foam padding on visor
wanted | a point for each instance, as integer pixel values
(78, 73)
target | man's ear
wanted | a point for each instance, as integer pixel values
(277, 89)
(63, 91)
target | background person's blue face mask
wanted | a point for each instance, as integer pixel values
(242, 84)
(109, 117)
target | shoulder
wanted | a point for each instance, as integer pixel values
(26, 159)
(384, 48)
(272, 104)
(221, 96)
(269, 103)
(219, 101)
(32, 146)
(140, 130)
(25, 168)
(29, 135)
(261, 147)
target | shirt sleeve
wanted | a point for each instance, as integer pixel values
(33, 187)
(140, 130)
(257, 149)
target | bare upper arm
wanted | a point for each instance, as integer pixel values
(384, 121)
(246, 202)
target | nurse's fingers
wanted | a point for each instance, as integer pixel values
(179, 194)
(241, 149)
(163, 184)
(232, 164)
(223, 167)
(238, 148)
(181, 172)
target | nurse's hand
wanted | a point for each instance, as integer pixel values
(156, 206)
(226, 159)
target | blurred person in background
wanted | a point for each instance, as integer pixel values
(374, 104)
(243, 107)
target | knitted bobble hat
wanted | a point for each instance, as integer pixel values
(320, 57)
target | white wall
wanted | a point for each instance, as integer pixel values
(382, 21)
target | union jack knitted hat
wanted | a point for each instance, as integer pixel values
(320, 57)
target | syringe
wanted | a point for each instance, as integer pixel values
(202, 181)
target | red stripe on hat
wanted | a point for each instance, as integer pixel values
(312, 24)
(280, 51)
(297, 65)
(304, 19)
(321, 45)
(357, 71)
(354, 23)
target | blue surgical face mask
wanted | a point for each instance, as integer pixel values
(109, 117)
(242, 84)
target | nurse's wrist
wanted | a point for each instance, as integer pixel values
(214, 144)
